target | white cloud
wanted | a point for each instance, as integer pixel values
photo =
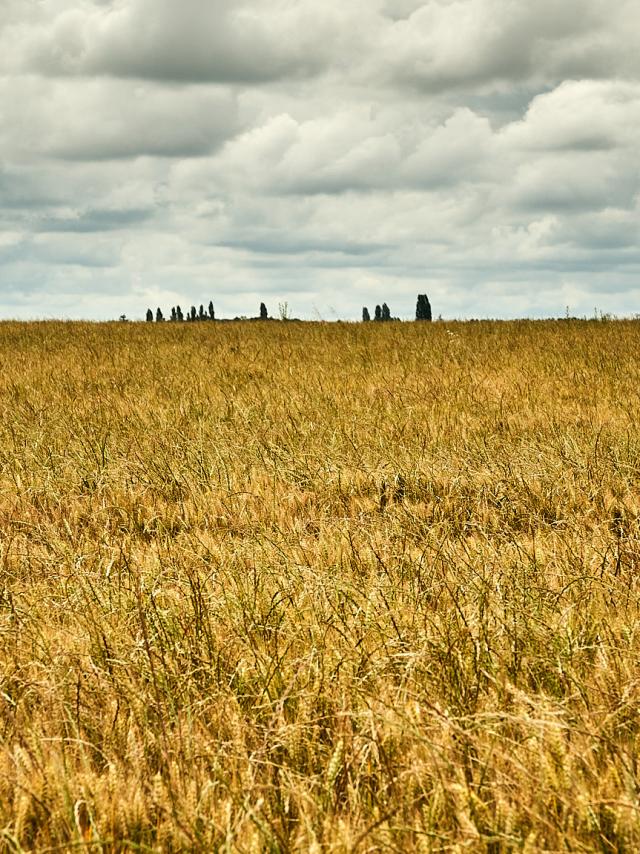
(352, 150)
(581, 115)
(346, 150)
(478, 43)
(461, 149)
(576, 147)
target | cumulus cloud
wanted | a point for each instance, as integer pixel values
(331, 155)
(576, 147)
(478, 43)
(335, 153)
(581, 115)
(195, 41)
(352, 151)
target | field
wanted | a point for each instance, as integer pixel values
(320, 587)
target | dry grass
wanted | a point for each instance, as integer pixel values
(276, 587)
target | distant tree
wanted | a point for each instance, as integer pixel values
(201, 314)
(366, 317)
(193, 314)
(174, 316)
(149, 316)
(378, 313)
(212, 314)
(159, 317)
(386, 314)
(264, 314)
(423, 308)
(179, 314)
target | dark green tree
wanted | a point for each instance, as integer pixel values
(423, 308)
(386, 314)
(174, 316)
(212, 314)
(193, 315)
(264, 314)
(378, 313)
(149, 316)
(179, 314)
(366, 317)
(159, 317)
(201, 314)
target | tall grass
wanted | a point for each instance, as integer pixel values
(277, 587)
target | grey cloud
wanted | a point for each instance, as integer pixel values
(195, 41)
(276, 243)
(591, 180)
(75, 251)
(13, 248)
(399, 10)
(431, 46)
(610, 230)
(24, 189)
(85, 196)
(97, 220)
(571, 187)
(102, 120)
(57, 251)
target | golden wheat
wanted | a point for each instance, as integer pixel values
(325, 587)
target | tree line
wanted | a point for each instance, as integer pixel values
(381, 313)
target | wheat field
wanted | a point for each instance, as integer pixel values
(271, 587)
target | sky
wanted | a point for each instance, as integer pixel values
(319, 157)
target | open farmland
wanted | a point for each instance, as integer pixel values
(325, 587)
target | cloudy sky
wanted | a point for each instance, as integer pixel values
(327, 154)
